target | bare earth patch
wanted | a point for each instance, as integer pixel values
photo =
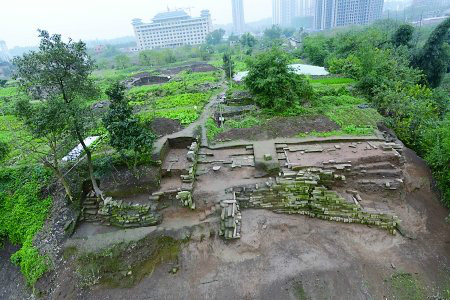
(163, 126)
(281, 127)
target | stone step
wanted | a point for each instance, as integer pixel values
(377, 173)
(90, 206)
(90, 212)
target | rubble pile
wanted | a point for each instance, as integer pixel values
(118, 213)
(230, 220)
(192, 157)
(185, 198)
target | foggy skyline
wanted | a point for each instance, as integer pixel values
(101, 19)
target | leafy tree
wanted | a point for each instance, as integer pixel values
(206, 51)
(122, 61)
(145, 58)
(288, 32)
(233, 38)
(433, 59)
(403, 35)
(169, 56)
(48, 122)
(215, 37)
(4, 150)
(126, 133)
(228, 65)
(3, 82)
(60, 73)
(273, 33)
(273, 83)
(248, 41)
(316, 49)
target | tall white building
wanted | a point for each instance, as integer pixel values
(172, 29)
(283, 12)
(305, 8)
(4, 54)
(336, 13)
(238, 16)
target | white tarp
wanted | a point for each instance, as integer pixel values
(76, 152)
(296, 68)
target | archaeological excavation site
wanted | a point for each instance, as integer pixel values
(269, 215)
(223, 172)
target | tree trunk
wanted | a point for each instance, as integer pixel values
(97, 190)
(61, 178)
(66, 185)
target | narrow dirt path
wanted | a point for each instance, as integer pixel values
(189, 131)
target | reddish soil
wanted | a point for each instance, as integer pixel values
(163, 126)
(280, 127)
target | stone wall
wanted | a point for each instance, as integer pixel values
(118, 213)
(306, 195)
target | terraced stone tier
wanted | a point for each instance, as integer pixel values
(306, 196)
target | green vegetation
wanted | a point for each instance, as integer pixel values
(58, 74)
(120, 267)
(273, 85)
(23, 211)
(185, 108)
(299, 291)
(247, 122)
(126, 133)
(389, 73)
(212, 130)
(228, 65)
(332, 81)
(406, 286)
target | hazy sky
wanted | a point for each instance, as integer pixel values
(103, 19)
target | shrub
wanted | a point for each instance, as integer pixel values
(23, 211)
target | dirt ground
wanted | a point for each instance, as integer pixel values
(12, 285)
(194, 67)
(280, 127)
(164, 126)
(296, 257)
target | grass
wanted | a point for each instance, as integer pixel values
(406, 286)
(299, 291)
(186, 108)
(120, 267)
(8, 91)
(23, 210)
(179, 99)
(332, 81)
(20, 141)
(212, 130)
(247, 122)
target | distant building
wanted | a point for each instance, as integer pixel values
(283, 12)
(305, 8)
(238, 16)
(430, 21)
(99, 49)
(172, 29)
(335, 13)
(4, 53)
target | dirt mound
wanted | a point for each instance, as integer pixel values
(194, 67)
(281, 127)
(163, 126)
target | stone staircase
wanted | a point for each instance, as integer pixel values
(90, 207)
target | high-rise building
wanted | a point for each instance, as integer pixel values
(304, 8)
(172, 29)
(4, 54)
(336, 13)
(238, 16)
(283, 12)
